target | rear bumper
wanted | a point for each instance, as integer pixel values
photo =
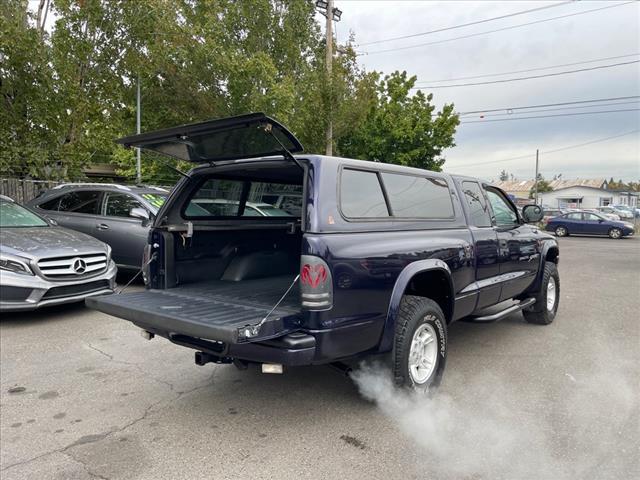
(29, 292)
(303, 347)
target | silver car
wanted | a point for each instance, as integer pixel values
(43, 264)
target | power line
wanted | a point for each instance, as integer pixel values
(550, 116)
(550, 151)
(522, 12)
(531, 69)
(560, 108)
(599, 67)
(496, 30)
(550, 104)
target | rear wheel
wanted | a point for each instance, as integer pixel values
(420, 344)
(561, 231)
(543, 312)
(615, 233)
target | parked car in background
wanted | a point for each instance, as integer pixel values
(623, 214)
(43, 264)
(549, 213)
(221, 207)
(588, 223)
(119, 215)
(608, 216)
(625, 208)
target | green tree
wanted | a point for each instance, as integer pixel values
(504, 176)
(543, 186)
(402, 128)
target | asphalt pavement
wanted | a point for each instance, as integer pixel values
(83, 395)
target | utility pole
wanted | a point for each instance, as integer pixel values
(536, 182)
(138, 163)
(326, 8)
(329, 62)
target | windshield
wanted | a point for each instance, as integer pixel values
(13, 215)
(155, 200)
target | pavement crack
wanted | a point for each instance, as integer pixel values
(131, 364)
(101, 352)
(90, 472)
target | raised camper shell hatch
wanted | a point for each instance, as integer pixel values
(246, 136)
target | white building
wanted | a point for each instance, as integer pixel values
(586, 197)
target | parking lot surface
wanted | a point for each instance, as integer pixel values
(83, 395)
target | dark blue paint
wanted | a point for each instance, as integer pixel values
(587, 227)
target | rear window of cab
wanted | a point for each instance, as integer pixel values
(382, 195)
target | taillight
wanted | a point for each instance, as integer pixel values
(316, 286)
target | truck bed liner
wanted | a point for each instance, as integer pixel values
(213, 310)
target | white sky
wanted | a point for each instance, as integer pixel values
(606, 33)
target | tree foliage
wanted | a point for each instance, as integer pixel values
(543, 186)
(69, 90)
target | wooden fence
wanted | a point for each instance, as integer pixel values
(24, 190)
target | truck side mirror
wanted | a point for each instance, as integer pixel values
(532, 213)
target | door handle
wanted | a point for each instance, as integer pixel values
(102, 226)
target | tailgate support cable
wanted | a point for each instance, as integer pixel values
(253, 331)
(151, 259)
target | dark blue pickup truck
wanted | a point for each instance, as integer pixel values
(365, 258)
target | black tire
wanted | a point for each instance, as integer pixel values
(415, 312)
(561, 231)
(615, 233)
(539, 313)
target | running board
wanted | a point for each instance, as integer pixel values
(507, 311)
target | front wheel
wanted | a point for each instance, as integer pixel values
(561, 232)
(615, 233)
(543, 312)
(420, 344)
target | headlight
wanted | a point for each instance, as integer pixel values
(15, 265)
(629, 225)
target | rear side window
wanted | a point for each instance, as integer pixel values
(51, 204)
(477, 204)
(233, 198)
(418, 197)
(76, 202)
(120, 204)
(361, 195)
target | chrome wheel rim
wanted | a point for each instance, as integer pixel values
(561, 231)
(551, 294)
(423, 354)
(615, 233)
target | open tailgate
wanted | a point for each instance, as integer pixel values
(198, 312)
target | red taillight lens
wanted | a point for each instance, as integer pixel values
(316, 287)
(313, 275)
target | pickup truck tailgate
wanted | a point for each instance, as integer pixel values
(215, 310)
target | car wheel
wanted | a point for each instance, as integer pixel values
(420, 344)
(543, 312)
(615, 233)
(561, 231)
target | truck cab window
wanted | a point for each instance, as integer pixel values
(505, 215)
(478, 209)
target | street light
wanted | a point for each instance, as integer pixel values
(324, 6)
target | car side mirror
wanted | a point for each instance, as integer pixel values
(138, 212)
(600, 220)
(532, 213)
